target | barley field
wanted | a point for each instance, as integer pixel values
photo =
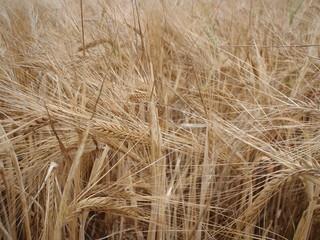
(159, 119)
